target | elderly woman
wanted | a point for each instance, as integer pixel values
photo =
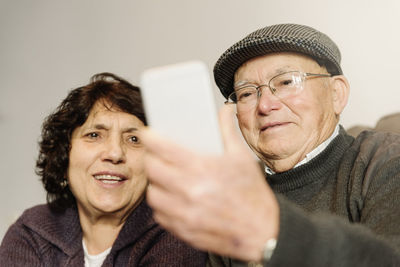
(91, 165)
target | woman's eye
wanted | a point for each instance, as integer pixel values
(92, 135)
(133, 139)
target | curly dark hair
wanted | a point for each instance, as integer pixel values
(52, 163)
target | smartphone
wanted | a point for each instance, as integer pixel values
(180, 105)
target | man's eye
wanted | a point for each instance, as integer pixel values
(246, 94)
(286, 82)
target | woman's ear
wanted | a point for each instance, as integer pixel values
(340, 93)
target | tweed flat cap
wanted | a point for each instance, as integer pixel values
(276, 38)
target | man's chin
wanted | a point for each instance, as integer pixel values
(276, 148)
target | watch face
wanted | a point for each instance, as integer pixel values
(269, 248)
(267, 252)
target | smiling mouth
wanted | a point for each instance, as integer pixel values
(271, 126)
(108, 179)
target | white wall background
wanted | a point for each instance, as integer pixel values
(48, 47)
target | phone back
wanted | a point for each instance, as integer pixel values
(180, 104)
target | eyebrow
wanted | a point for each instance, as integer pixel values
(104, 127)
(240, 83)
(276, 72)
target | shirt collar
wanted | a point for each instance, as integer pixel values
(313, 153)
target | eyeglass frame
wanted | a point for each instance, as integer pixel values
(259, 92)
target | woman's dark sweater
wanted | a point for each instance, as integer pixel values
(43, 238)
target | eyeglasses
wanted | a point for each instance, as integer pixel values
(282, 85)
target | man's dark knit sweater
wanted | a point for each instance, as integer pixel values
(341, 208)
(43, 238)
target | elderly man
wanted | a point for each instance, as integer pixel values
(323, 198)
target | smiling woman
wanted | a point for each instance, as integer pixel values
(91, 165)
(105, 171)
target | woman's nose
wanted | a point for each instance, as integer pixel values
(114, 151)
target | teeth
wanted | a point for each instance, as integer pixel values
(109, 181)
(108, 178)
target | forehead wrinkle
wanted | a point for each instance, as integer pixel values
(106, 121)
(98, 119)
(101, 119)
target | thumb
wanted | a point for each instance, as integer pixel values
(233, 142)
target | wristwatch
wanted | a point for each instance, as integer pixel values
(268, 249)
(267, 252)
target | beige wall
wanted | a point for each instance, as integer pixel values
(49, 47)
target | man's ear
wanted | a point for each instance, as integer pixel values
(340, 93)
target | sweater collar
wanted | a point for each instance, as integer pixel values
(313, 153)
(64, 230)
(314, 169)
(139, 222)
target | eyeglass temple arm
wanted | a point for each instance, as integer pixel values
(316, 74)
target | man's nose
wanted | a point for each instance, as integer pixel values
(114, 150)
(267, 101)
